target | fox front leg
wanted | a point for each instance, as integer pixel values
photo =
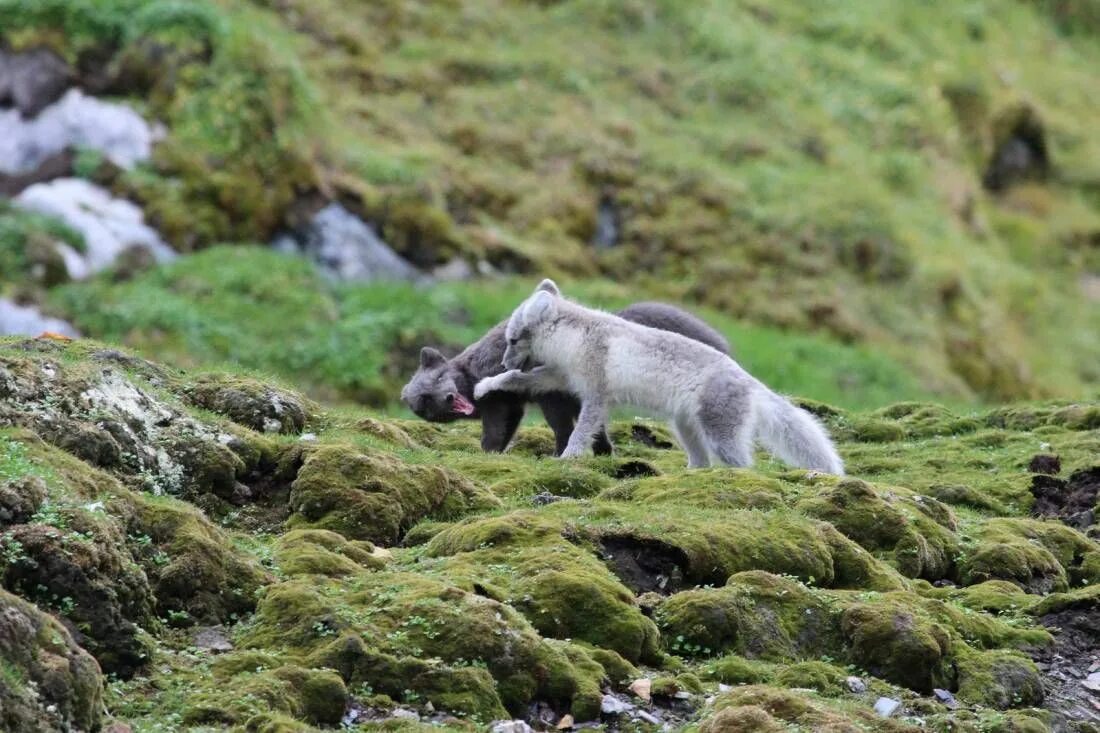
(592, 419)
(538, 380)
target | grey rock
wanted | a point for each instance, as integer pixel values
(648, 717)
(456, 270)
(1092, 682)
(109, 225)
(347, 248)
(945, 697)
(22, 320)
(612, 705)
(75, 120)
(510, 726)
(405, 714)
(887, 706)
(607, 223)
(212, 639)
(856, 685)
(32, 80)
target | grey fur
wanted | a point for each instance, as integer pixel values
(716, 408)
(431, 391)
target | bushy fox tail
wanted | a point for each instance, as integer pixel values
(794, 435)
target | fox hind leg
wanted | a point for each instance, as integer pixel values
(726, 417)
(690, 437)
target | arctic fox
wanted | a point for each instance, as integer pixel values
(715, 407)
(442, 390)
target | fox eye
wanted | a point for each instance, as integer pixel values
(513, 342)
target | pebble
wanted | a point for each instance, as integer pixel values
(887, 706)
(510, 726)
(647, 717)
(946, 698)
(856, 685)
(1092, 682)
(612, 705)
(641, 687)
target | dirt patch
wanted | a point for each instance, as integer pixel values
(1067, 664)
(648, 438)
(1071, 500)
(645, 566)
(635, 469)
(1044, 463)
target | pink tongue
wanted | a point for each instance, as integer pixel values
(462, 405)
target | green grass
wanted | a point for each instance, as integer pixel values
(254, 309)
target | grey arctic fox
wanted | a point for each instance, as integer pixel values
(442, 390)
(715, 407)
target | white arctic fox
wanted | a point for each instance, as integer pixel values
(715, 407)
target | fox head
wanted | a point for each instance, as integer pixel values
(536, 310)
(432, 393)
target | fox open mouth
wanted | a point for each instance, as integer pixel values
(462, 406)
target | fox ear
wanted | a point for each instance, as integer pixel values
(548, 286)
(430, 357)
(539, 307)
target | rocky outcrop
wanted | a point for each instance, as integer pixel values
(75, 120)
(32, 80)
(347, 248)
(109, 226)
(26, 320)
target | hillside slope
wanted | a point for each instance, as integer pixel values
(235, 557)
(920, 178)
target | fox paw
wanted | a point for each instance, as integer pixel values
(484, 387)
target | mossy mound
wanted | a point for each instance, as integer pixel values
(320, 552)
(47, 682)
(895, 636)
(367, 626)
(369, 495)
(917, 530)
(315, 696)
(119, 413)
(1039, 556)
(563, 590)
(251, 403)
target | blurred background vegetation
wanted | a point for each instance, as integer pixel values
(874, 201)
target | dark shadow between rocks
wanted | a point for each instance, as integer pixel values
(645, 566)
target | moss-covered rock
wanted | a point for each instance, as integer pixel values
(370, 495)
(563, 590)
(320, 552)
(1039, 556)
(314, 696)
(998, 678)
(249, 402)
(197, 573)
(364, 627)
(917, 530)
(47, 682)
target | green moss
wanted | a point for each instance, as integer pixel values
(320, 552)
(401, 614)
(733, 669)
(47, 682)
(892, 642)
(1000, 679)
(251, 403)
(1039, 556)
(313, 696)
(563, 590)
(917, 530)
(375, 496)
(821, 676)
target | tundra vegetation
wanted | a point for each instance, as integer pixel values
(213, 515)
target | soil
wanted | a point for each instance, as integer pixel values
(1071, 500)
(1068, 662)
(644, 565)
